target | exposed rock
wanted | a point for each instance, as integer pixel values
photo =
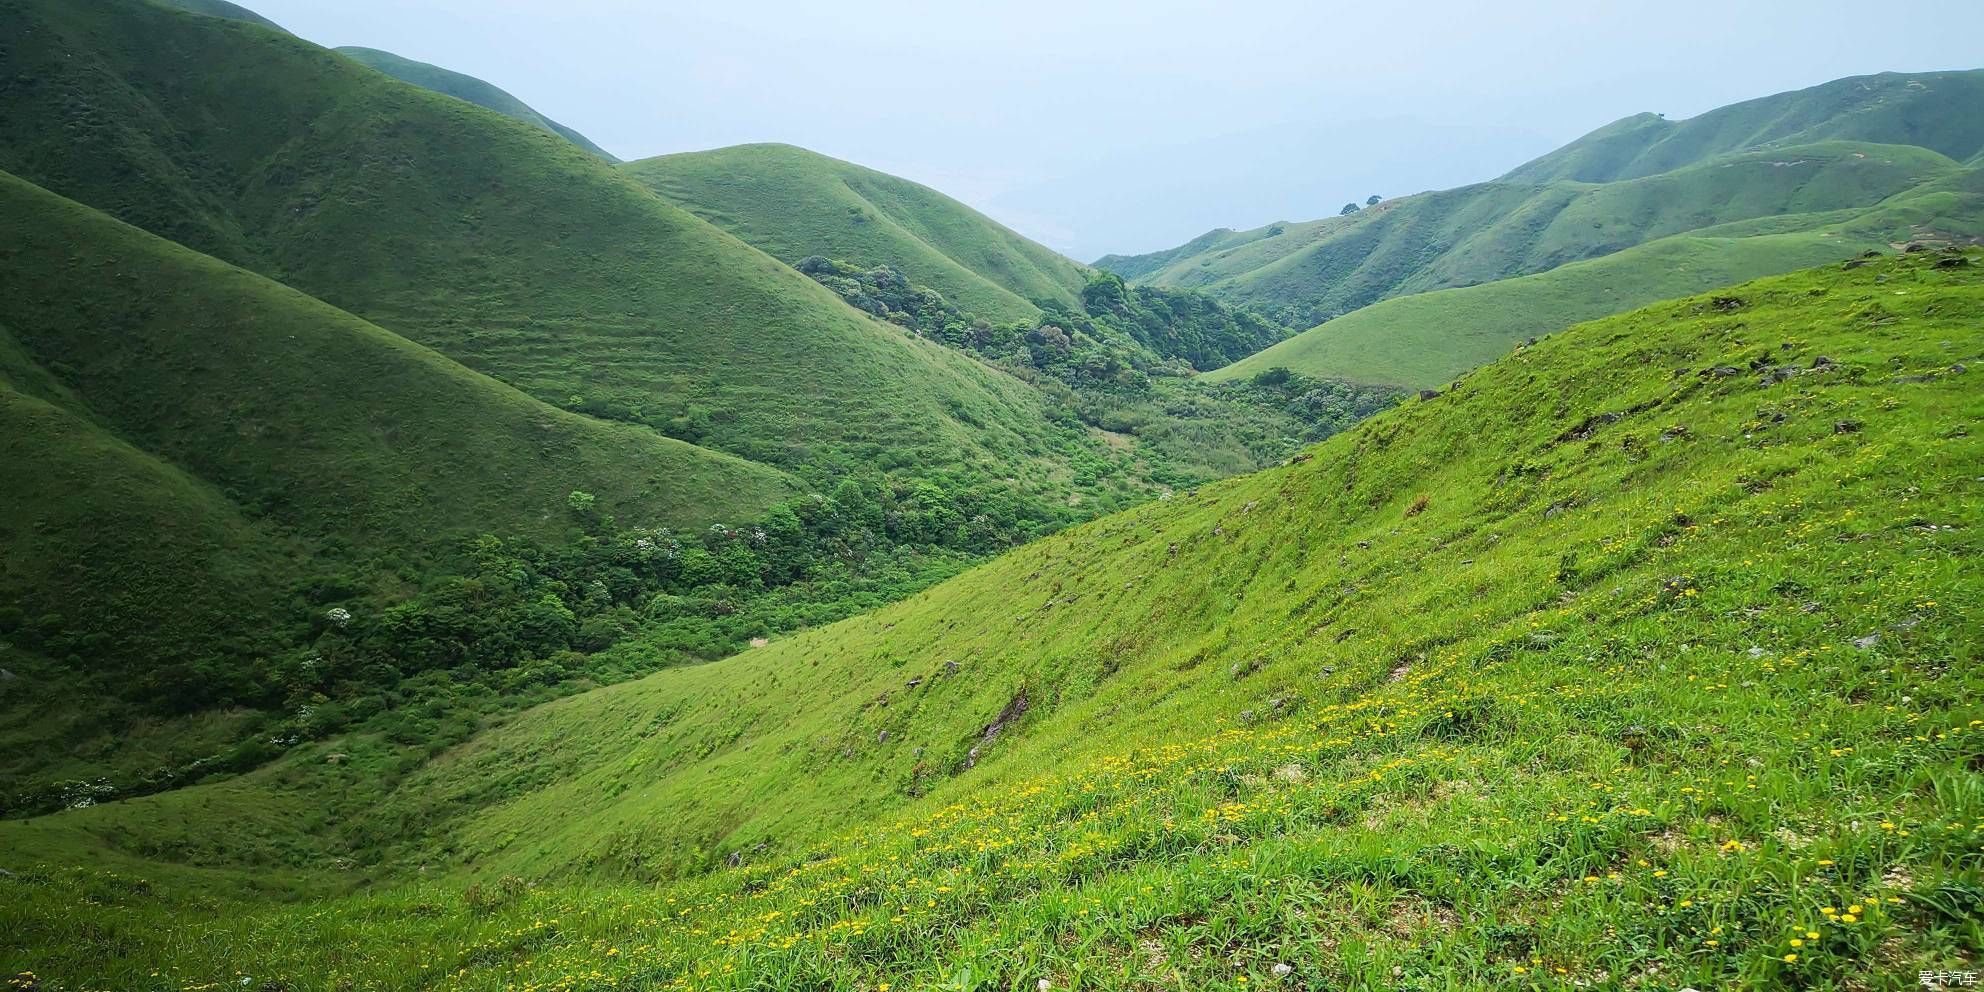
(1867, 643)
(1429, 394)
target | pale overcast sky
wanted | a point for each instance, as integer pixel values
(1101, 126)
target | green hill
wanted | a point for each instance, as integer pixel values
(1425, 340)
(222, 8)
(792, 204)
(1643, 657)
(1311, 272)
(501, 246)
(1933, 110)
(195, 443)
(465, 87)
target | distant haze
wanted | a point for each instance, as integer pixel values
(1099, 127)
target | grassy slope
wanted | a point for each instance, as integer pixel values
(1425, 340)
(504, 247)
(1491, 231)
(317, 419)
(1935, 110)
(465, 87)
(793, 203)
(1590, 670)
(222, 8)
(188, 442)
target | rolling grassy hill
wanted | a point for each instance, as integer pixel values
(1426, 339)
(1932, 110)
(222, 8)
(1307, 273)
(793, 203)
(465, 87)
(190, 443)
(1647, 656)
(502, 246)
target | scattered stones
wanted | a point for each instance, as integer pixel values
(1282, 969)
(1823, 364)
(1757, 652)
(1867, 643)
(1846, 427)
(1429, 394)
(882, 737)
(1726, 303)
(336, 758)
(1952, 262)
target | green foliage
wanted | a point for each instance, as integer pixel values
(1123, 363)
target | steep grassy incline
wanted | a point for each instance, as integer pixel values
(162, 400)
(494, 242)
(465, 87)
(1934, 110)
(1647, 656)
(793, 203)
(1477, 234)
(317, 419)
(1425, 340)
(222, 8)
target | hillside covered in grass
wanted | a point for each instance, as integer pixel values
(205, 461)
(1310, 272)
(465, 87)
(1426, 339)
(1644, 657)
(794, 204)
(501, 246)
(1934, 110)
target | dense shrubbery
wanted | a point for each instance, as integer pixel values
(512, 622)
(1120, 337)
(1125, 363)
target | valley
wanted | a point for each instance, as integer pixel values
(436, 554)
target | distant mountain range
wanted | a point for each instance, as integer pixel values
(1844, 166)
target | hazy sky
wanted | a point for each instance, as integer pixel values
(1130, 126)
